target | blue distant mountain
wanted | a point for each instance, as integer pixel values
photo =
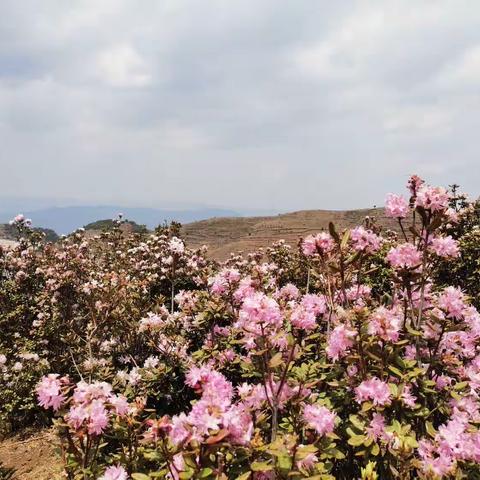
(65, 220)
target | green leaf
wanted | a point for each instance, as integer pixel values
(206, 472)
(356, 440)
(395, 371)
(140, 476)
(244, 476)
(430, 429)
(261, 467)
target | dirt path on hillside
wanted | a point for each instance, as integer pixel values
(33, 457)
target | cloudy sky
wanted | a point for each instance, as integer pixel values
(262, 104)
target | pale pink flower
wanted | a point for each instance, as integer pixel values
(339, 341)
(319, 418)
(49, 392)
(452, 301)
(432, 198)
(445, 247)
(396, 206)
(376, 429)
(375, 390)
(386, 324)
(321, 243)
(365, 240)
(405, 255)
(115, 472)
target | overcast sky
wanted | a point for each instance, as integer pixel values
(249, 103)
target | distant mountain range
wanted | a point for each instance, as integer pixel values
(65, 220)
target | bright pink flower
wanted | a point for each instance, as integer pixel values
(405, 255)
(319, 418)
(375, 390)
(396, 206)
(115, 472)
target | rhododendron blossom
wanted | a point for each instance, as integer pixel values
(375, 390)
(320, 243)
(396, 206)
(405, 255)
(115, 472)
(320, 418)
(339, 341)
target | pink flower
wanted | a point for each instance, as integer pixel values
(452, 301)
(115, 472)
(319, 418)
(303, 318)
(432, 198)
(49, 392)
(405, 255)
(339, 341)
(321, 243)
(408, 398)
(396, 206)
(445, 247)
(120, 404)
(308, 461)
(375, 390)
(376, 429)
(98, 417)
(365, 240)
(260, 310)
(386, 324)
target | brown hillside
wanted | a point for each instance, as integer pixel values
(226, 235)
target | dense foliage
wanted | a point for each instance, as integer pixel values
(350, 357)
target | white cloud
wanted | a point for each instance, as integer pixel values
(123, 66)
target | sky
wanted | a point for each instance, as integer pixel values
(254, 104)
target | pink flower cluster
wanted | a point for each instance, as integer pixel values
(320, 418)
(225, 279)
(49, 391)
(445, 247)
(455, 441)
(396, 206)
(405, 255)
(321, 243)
(385, 323)
(304, 315)
(259, 310)
(214, 411)
(339, 341)
(435, 199)
(365, 240)
(375, 390)
(93, 404)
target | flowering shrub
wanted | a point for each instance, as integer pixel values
(341, 359)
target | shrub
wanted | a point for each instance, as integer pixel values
(340, 359)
